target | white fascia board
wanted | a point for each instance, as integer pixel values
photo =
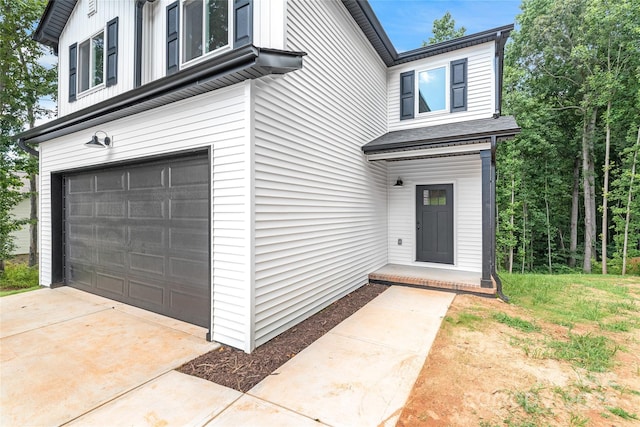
(430, 152)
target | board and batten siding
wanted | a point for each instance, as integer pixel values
(80, 27)
(216, 120)
(320, 207)
(465, 173)
(480, 87)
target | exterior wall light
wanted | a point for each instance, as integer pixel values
(95, 141)
(398, 182)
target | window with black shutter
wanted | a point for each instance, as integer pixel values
(173, 28)
(407, 94)
(73, 71)
(459, 85)
(112, 52)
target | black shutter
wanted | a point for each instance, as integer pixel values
(73, 71)
(242, 23)
(459, 85)
(112, 52)
(173, 44)
(407, 94)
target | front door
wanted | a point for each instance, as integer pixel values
(434, 223)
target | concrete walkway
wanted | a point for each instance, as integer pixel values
(358, 374)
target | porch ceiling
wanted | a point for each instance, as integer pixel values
(439, 140)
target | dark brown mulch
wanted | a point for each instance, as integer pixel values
(234, 368)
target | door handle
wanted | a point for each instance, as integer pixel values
(418, 226)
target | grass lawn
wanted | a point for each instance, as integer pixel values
(565, 351)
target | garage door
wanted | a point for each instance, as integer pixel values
(139, 234)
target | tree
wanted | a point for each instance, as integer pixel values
(444, 29)
(23, 83)
(576, 60)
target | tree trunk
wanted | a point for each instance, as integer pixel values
(33, 223)
(511, 246)
(546, 203)
(524, 236)
(628, 216)
(575, 208)
(605, 191)
(588, 178)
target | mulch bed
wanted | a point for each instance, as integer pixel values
(236, 369)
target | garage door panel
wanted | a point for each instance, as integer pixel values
(153, 264)
(112, 258)
(189, 270)
(188, 174)
(147, 177)
(110, 181)
(189, 239)
(80, 184)
(80, 210)
(148, 293)
(139, 234)
(110, 283)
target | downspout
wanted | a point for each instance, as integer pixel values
(501, 40)
(137, 51)
(494, 273)
(24, 147)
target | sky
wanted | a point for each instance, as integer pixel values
(408, 22)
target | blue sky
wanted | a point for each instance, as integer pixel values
(409, 22)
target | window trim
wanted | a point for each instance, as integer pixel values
(204, 55)
(80, 69)
(447, 90)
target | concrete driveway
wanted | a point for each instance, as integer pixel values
(64, 352)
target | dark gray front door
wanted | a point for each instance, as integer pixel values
(434, 223)
(139, 234)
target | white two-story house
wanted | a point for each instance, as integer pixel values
(241, 164)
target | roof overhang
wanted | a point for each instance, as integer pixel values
(53, 21)
(366, 19)
(241, 64)
(442, 140)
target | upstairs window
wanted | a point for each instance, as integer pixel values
(205, 27)
(432, 90)
(91, 62)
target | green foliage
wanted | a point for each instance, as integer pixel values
(23, 82)
(593, 353)
(444, 29)
(622, 413)
(567, 59)
(516, 322)
(464, 319)
(18, 276)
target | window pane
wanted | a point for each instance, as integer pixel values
(84, 62)
(432, 87)
(98, 59)
(434, 197)
(192, 33)
(217, 26)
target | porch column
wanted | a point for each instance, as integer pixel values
(488, 227)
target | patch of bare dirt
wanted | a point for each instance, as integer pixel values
(241, 371)
(485, 373)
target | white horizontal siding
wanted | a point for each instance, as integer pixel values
(217, 120)
(480, 87)
(320, 207)
(79, 28)
(465, 173)
(21, 237)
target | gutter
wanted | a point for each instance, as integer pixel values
(267, 61)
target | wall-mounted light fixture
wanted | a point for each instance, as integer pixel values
(398, 182)
(95, 141)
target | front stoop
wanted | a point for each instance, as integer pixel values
(430, 278)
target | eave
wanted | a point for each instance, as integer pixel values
(366, 19)
(53, 21)
(440, 138)
(245, 63)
